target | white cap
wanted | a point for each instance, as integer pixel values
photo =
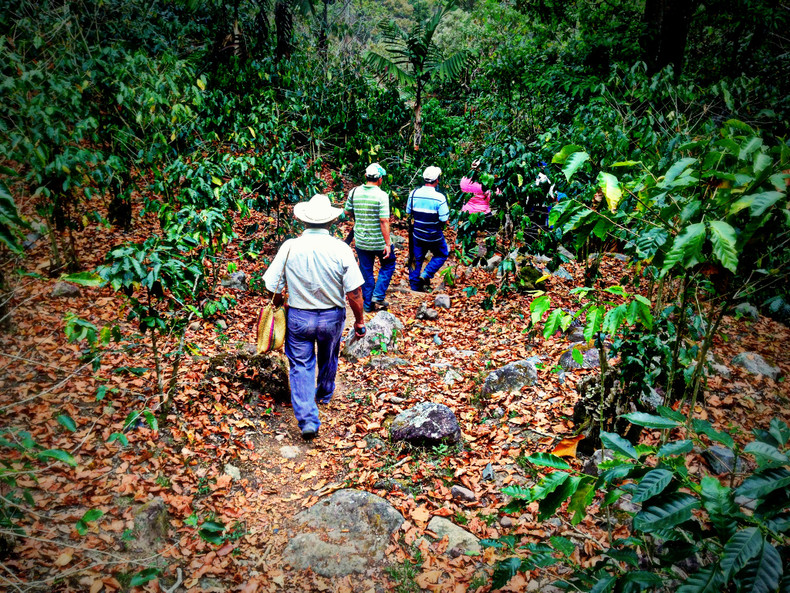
(431, 174)
(375, 170)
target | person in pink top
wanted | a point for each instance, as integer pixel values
(480, 200)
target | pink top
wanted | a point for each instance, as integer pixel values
(480, 201)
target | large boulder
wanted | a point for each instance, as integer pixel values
(65, 290)
(382, 336)
(590, 359)
(511, 377)
(346, 532)
(427, 423)
(756, 364)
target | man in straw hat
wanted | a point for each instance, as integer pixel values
(320, 272)
(429, 210)
(370, 207)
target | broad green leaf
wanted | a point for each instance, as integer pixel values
(562, 155)
(766, 454)
(723, 238)
(151, 420)
(553, 323)
(747, 149)
(504, 571)
(627, 555)
(675, 171)
(574, 163)
(603, 585)
(722, 510)
(686, 248)
(563, 545)
(144, 576)
(614, 319)
(518, 492)
(610, 186)
(84, 279)
(650, 420)
(666, 412)
(581, 499)
(706, 428)
(67, 422)
(617, 443)
(675, 448)
(757, 203)
(761, 484)
(577, 356)
(653, 482)
(548, 460)
(618, 290)
(548, 484)
(538, 307)
(763, 572)
(120, 437)
(594, 322)
(645, 580)
(670, 511)
(779, 431)
(742, 547)
(58, 454)
(707, 580)
(552, 501)
(626, 163)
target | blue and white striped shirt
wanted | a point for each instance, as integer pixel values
(429, 208)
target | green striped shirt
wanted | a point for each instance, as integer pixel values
(369, 205)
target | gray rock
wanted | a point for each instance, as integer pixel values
(349, 533)
(506, 522)
(498, 413)
(511, 377)
(541, 259)
(427, 423)
(562, 274)
(386, 362)
(621, 257)
(756, 364)
(565, 253)
(397, 240)
(457, 537)
(777, 308)
(222, 324)
(396, 400)
(65, 290)
(626, 504)
(576, 334)
(382, 330)
(461, 353)
(451, 376)
(232, 471)
(31, 239)
(590, 359)
(493, 263)
(195, 326)
(590, 466)
(461, 493)
(290, 452)
(721, 460)
(374, 442)
(442, 301)
(387, 484)
(431, 314)
(747, 310)
(236, 281)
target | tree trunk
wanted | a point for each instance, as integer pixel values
(418, 115)
(665, 33)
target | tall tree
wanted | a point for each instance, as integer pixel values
(416, 60)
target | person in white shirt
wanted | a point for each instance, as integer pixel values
(320, 272)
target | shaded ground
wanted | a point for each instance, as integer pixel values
(218, 421)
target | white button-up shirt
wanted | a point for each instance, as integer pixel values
(320, 270)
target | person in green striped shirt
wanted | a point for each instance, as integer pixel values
(370, 207)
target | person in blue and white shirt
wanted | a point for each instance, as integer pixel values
(429, 209)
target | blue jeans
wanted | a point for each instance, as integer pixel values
(439, 252)
(306, 329)
(373, 289)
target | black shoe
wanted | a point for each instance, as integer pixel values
(309, 434)
(379, 305)
(425, 285)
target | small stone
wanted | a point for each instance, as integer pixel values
(236, 281)
(426, 423)
(562, 274)
(493, 263)
(65, 290)
(455, 552)
(442, 301)
(232, 471)
(290, 452)
(498, 413)
(397, 400)
(457, 536)
(721, 460)
(621, 257)
(195, 326)
(431, 314)
(222, 324)
(461, 493)
(451, 376)
(437, 340)
(565, 253)
(747, 311)
(541, 259)
(386, 362)
(506, 522)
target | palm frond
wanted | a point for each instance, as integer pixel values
(388, 68)
(452, 66)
